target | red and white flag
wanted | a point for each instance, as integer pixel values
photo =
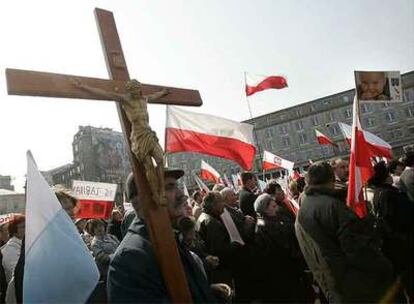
(209, 173)
(377, 146)
(360, 167)
(201, 185)
(324, 140)
(257, 83)
(271, 161)
(96, 200)
(208, 134)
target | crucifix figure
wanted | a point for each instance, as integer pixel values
(131, 107)
(144, 141)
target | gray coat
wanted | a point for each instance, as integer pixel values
(343, 256)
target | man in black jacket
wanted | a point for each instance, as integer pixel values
(247, 195)
(134, 274)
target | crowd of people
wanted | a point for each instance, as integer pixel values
(298, 243)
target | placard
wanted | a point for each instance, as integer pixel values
(378, 86)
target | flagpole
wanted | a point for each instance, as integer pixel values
(247, 98)
(254, 124)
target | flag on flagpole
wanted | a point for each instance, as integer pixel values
(209, 173)
(194, 132)
(186, 193)
(376, 146)
(257, 83)
(58, 266)
(272, 161)
(201, 184)
(324, 140)
(234, 179)
(360, 167)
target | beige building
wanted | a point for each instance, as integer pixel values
(12, 202)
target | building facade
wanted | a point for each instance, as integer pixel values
(99, 155)
(12, 202)
(5, 182)
(290, 133)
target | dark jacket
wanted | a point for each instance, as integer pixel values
(217, 242)
(275, 257)
(114, 228)
(3, 282)
(345, 260)
(134, 274)
(246, 199)
(246, 231)
(394, 221)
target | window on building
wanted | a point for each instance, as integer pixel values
(395, 134)
(333, 130)
(269, 146)
(331, 116)
(369, 122)
(282, 129)
(325, 150)
(312, 107)
(411, 130)
(390, 116)
(303, 138)
(409, 94)
(385, 105)
(348, 113)
(286, 141)
(365, 108)
(345, 98)
(299, 125)
(315, 120)
(409, 112)
(269, 133)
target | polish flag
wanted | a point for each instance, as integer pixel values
(257, 83)
(360, 167)
(271, 161)
(95, 200)
(377, 146)
(201, 185)
(209, 173)
(323, 139)
(208, 134)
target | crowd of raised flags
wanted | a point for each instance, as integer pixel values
(53, 245)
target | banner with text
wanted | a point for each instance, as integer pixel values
(95, 199)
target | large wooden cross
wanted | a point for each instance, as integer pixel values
(31, 83)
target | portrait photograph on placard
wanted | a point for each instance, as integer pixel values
(378, 86)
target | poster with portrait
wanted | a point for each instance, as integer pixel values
(378, 86)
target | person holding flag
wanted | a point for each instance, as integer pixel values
(344, 258)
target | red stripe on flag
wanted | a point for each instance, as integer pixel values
(178, 140)
(360, 171)
(325, 141)
(270, 166)
(207, 175)
(94, 209)
(271, 82)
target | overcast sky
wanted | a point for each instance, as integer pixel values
(204, 45)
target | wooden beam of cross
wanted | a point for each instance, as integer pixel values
(20, 82)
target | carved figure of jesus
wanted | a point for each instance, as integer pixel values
(144, 141)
